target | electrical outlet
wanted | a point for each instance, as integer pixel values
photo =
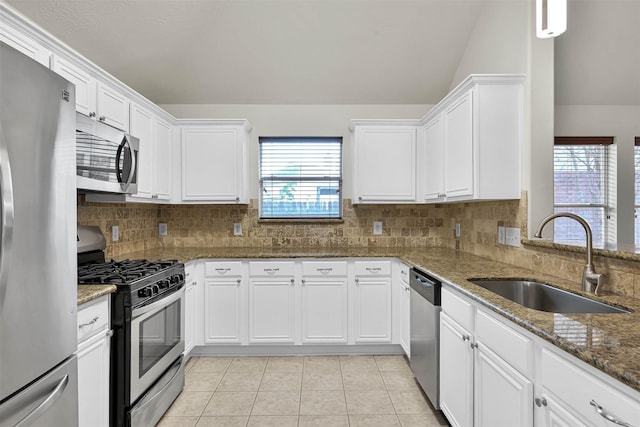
(377, 228)
(512, 237)
(457, 229)
(237, 229)
(115, 233)
(501, 236)
(162, 228)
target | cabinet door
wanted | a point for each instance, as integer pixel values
(324, 310)
(24, 44)
(433, 160)
(456, 373)
(93, 381)
(385, 164)
(373, 309)
(271, 310)
(503, 396)
(555, 414)
(405, 333)
(113, 108)
(223, 311)
(189, 316)
(211, 165)
(142, 128)
(458, 127)
(162, 161)
(86, 86)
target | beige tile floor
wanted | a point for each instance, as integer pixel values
(326, 391)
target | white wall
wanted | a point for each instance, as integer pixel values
(298, 120)
(498, 43)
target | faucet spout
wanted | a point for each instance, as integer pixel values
(591, 282)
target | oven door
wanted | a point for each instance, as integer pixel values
(157, 340)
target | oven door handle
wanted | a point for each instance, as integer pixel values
(144, 401)
(163, 302)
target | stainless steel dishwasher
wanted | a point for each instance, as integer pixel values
(425, 333)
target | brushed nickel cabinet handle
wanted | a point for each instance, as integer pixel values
(94, 320)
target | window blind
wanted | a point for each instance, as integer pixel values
(301, 178)
(581, 186)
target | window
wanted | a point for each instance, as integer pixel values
(581, 186)
(301, 178)
(636, 160)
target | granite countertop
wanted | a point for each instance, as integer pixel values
(88, 293)
(609, 342)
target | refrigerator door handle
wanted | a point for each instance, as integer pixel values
(7, 216)
(46, 403)
(132, 163)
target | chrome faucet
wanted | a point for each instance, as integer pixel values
(591, 281)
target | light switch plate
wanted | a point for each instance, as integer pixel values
(501, 236)
(458, 229)
(512, 236)
(162, 228)
(377, 228)
(115, 233)
(237, 229)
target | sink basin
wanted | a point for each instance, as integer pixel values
(541, 297)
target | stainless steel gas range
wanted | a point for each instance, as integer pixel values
(147, 317)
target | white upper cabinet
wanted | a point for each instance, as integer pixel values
(94, 98)
(214, 164)
(384, 163)
(154, 159)
(25, 44)
(472, 142)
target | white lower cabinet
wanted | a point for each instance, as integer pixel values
(401, 300)
(225, 307)
(324, 302)
(372, 301)
(192, 319)
(456, 373)
(478, 387)
(271, 302)
(94, 347)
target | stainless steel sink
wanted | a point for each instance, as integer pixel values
(541, 297)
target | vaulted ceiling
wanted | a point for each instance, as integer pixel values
(268, 51)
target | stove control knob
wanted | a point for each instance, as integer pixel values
(164, 284)
(144, 292)
(155, 289)
(177, 278)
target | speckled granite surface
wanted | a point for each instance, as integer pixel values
(88, 293)
(609, 342)
(623, 252)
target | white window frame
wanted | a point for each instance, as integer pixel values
(264, 179)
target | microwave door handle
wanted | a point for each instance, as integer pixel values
(6, 217)
(132, 163)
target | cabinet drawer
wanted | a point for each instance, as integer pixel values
(223, 268)
(513, 347)
(458, 309)
(271, 268)
(93, 317)
(577, 387)
(324, 268)
(371, 268)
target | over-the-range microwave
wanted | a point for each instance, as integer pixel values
(106, 157)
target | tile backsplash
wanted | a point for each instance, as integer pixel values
(412, 226)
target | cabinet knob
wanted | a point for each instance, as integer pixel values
(292, 282)
(465, 338)
(303, 282)
(102, 118)
(540, 401)
(358, 282)
(360, 198)
(474, 345)
(92, 114)
(238, 282)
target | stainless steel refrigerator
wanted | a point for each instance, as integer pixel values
(38, 277)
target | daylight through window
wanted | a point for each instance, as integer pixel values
(581, 186)
(301, 178)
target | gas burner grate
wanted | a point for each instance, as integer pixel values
(121, 272)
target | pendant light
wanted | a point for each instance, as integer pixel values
(551, 18)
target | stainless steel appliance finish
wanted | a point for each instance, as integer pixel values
(425, 333)
(157, 399)
(542, 297)
(106, 157)
(38, 301)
